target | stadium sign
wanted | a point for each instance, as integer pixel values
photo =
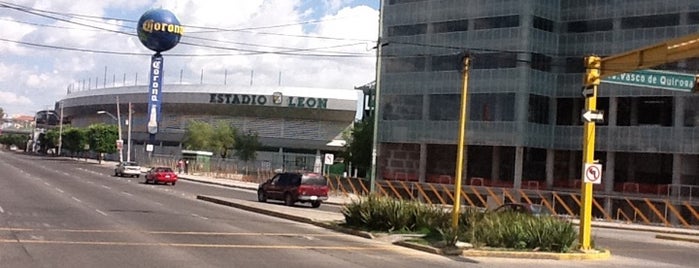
(249, 99)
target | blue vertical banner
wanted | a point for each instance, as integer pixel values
(155, 85)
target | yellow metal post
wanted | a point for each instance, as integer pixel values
(460, 147)
(591, 81)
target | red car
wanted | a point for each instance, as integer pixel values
(161, 175)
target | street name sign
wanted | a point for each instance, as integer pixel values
(654, 79)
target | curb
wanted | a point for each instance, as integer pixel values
(600, 255)
(677, 238)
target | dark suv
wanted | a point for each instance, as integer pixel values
(295, 187)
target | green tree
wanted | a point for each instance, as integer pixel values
(74, 139)
(223, 139)
(359, 145)
(18, 140)
(49, 140)
(246, 146)
(102, 139)
(198, 135)
(2, 114)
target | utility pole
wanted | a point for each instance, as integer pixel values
(375, 136)
(120, 142)
(60, 129)
(461, 144)
(128, 139)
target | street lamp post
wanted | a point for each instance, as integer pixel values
(121, 155)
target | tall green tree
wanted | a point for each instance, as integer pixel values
(359, 145)
(223, 139)
(246, 146)
(75, 139)
(198, 135)
(102, 139)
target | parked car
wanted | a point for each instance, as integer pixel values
(293, 187)
(157, 175)
(127, 168)
(531, 209)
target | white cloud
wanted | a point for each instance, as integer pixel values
(12, 98)
(44, 73)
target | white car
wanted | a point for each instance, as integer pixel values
(127, 169)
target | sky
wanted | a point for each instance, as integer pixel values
(50, 46)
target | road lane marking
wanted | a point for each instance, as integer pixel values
(169, 232)
(101, 212)
(202, 217)
(2, 210)
(47, 184)
(60, 190)
(127, 193)
(107, 187)
(195, 245)
(76, 199)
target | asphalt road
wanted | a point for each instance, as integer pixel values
(57, 212)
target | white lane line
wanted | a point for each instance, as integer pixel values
(101, 212)
(106, 187)
(2, 210)
(202, 217)
(76, 199)
(60, 190)
(126, 193)
(47, 184)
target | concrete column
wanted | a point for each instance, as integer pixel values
(422, 169)
(678, 113)
(495, 165)
(613, 112)
(676, 169)
(318, 163)
(519, 163)
(572, 172)
(634, 111)
(608, 179)
(550, 157)
(281, 158)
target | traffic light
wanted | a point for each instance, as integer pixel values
(593, 65)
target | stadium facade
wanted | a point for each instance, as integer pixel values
(525, 102)
(295, 125)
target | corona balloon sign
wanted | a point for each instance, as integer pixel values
(159, 30)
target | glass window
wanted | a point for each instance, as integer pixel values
(645, 111)
(402, 65)
(691, 112)
(693, 18)
(496, 22)
(492, 107)
(445, 107)
(495, 61)
(543, 24)
(650, 21)
(568, 111)
(401, 107)
(541, 62)
(447, 63)
(538, 109)
(407, 30)
(590, 26)
(575, 65)
(450, 26)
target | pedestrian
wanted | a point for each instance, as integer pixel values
(180, 166)
(186, 166)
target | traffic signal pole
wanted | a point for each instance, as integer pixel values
(592, 80)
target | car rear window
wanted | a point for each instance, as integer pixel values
(130, 164)
(313, 179)
(163, 170)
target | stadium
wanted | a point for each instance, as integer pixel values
(295, 125)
